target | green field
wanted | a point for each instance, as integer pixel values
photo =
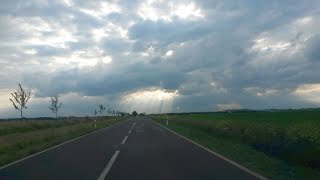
(19, 139)
(279, 145)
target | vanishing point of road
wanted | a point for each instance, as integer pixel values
(135, 149)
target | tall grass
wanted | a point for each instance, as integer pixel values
(293, 136)
(18, 126)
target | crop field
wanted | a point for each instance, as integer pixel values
(20, 138)
(279, 144)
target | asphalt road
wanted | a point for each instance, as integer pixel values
(134, 149)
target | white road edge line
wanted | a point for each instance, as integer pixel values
(218, 155)
(109, 165)
(20, 160)
(124, 140)
(129, 131)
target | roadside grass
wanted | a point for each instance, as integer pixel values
(18, 126)
(279, 145)
(19, 145)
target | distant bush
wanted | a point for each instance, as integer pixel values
(134, 113)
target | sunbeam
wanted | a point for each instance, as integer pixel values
(151, 100)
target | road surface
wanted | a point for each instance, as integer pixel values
(134, 149)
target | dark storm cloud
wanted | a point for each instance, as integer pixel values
(312, 48)
(103, 80)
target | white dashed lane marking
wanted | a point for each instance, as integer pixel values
(124, 140)
(109, 165)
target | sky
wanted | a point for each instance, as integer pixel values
(160, 56)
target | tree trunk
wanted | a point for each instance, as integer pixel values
(21, 112)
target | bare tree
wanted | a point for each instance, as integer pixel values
(102, 108)
(95, 112)
(21, 98)
(109, 111)
(55, 105)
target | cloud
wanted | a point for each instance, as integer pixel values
(152, 100)
(214, 54)
(231, 106)
(167, 11)
(309, 92)
(312, 48)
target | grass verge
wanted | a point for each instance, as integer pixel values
(258, 161)
(19, 126)
(19, 145)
